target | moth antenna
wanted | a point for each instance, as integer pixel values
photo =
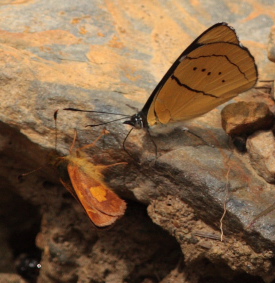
(21, 176)
(55, 126)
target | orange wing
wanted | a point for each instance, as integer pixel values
(102, 205)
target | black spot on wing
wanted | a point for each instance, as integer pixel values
(214, 55)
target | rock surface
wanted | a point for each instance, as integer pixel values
(245, 118)
(109, 56)
(271, 45)
(261, 149)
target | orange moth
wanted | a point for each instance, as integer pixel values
(85, 181)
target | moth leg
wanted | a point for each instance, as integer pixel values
(104, 132)
(74, 141)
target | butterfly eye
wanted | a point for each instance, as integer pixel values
(136, 121)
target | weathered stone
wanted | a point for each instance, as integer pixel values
(85, 54)
(261, 149)
(206, 245)
(245, 118)
(11, 278)
(271, 45)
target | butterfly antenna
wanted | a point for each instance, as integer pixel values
(99, 112)
(95, 125)
(92, 111)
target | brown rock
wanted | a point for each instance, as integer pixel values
(271, 45)
(265, 90)
(105, 57)
(197, 246)
(261, 149)
(244, 118)
(11, 278)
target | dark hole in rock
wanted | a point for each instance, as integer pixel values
(22, 222)
(221, 273)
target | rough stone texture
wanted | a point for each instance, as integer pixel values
(133, 249)
(108, 56)
(11, 278)
(261, 149)
(266, 88)
(245, 118)
(6, 254)
(271, 45)
(200, 244)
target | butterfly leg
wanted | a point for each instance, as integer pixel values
(124, 146)
(153, 142)
(197, 136)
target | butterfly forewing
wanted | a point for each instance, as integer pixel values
(206, 77)
(218, 33)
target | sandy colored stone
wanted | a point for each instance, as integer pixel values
(271, 45)
(244, 118)
(261, 149)
(109, 57)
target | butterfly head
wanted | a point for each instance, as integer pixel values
(137, 121)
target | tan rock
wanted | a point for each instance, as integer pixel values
(106, 56)
(261, 149)
(246, 117)
(271, 45)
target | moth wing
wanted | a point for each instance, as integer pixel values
(69, 187)
(98, 218)
(101, 204)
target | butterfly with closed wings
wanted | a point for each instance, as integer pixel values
(215, 68)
